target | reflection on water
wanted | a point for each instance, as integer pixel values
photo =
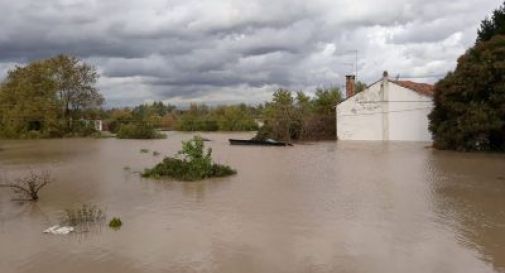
(327, 207)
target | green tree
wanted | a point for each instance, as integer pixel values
(360, 86)
(281, 114)
(326, 100)
(44, 96)
(304, 118)
(495, 25)
(304, 109)
(469, 111)
(235, 118)
(75, 85)
(28, 101)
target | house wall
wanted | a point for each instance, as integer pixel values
(359, 118)
(385, 111)
(408, 114)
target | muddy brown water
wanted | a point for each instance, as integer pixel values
(326, 207)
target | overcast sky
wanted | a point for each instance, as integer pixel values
(228, 51)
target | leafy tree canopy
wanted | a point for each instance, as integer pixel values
(469, 111)
(495, 25)
(45, 96)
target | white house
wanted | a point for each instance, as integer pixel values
(386, 110)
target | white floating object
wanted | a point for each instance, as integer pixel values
(57, 230)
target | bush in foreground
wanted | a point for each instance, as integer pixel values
(195, 164)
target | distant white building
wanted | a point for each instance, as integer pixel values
(388, 110)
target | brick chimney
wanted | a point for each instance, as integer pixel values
(350, 85)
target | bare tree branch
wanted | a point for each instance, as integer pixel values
(29, 185)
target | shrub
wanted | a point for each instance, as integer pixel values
(195, 164)
(115, 223)
(82, 216)
(138, 131)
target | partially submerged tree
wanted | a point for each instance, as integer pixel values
(74, 84)
(300, 117)
(28, 186)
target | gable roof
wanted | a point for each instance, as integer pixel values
(421, 88)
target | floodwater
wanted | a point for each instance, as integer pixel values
(323, 207)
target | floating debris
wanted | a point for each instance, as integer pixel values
(59, 230)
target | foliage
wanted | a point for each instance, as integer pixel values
(300, 118)
(82, 216)
(144, 151)
(46, 96)
(235, 118)
(195, 164)
(495, 25)
(197, 118)
(29, 186)
(360, 86)
(141, 121)
(115, 223)
(74, 82)
(138, 131)
(222, 118)
(469, 113)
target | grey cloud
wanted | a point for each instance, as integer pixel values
(220, 50)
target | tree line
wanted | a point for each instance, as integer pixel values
(286, 117)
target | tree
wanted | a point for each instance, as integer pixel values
(75, 84)
(27, 100)
(38, 96)
(360, 86)
(304, 109)
(281, 114)
(235, 118)
(495, 25)
(300, 118)
(30, 185)
(469, 111)
(326, 99)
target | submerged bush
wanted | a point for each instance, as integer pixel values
(82, 216)
(138, 131)
(195, 164)
(115, 223)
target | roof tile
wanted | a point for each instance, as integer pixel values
(421, 88)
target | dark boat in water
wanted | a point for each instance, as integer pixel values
(267, 142)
